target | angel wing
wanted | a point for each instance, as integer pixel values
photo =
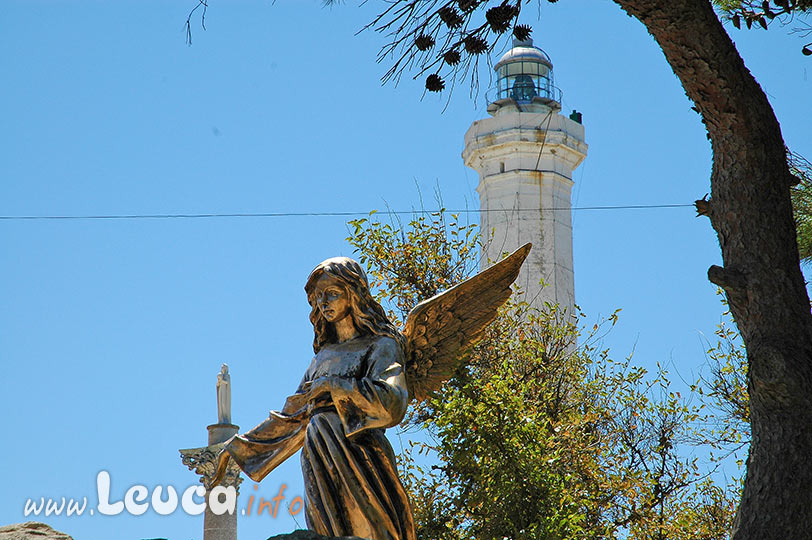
(439, 329)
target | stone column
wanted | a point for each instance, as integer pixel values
(203, 461)
(224, 526)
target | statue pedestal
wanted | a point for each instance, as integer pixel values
(203, 461)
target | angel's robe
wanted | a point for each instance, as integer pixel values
(348, 464)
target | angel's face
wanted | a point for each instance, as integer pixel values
(332, 299)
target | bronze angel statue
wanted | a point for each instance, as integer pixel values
(360, 381)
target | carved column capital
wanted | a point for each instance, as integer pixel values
(203, 461)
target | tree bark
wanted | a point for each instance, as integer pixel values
(751, 212)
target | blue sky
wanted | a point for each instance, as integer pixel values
(112, 332)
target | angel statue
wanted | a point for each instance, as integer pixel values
(359, 383)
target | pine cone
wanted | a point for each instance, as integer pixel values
(451, 17)
(499, 17)
(434, 83)
(522, 32)
(452, 57)
(475, 45)
(424, 42)
(467, 5)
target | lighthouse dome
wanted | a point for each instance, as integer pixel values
(524, 51)
(525, 75)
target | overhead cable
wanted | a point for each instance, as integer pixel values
(333, 214)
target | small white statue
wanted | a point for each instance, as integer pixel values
(223, 396)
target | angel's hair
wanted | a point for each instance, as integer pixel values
(367, 314)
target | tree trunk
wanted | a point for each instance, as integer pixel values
(751, 212)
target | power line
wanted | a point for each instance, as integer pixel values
(333, 214)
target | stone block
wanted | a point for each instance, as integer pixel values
(31, 530)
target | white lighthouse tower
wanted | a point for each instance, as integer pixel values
(525, 154)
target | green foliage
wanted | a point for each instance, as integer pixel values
(726, 395)
(728, 383)
(406, 265)
(543, 435)
(802, 203)
(760, 13)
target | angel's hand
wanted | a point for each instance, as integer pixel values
(308, 392)
(223, 458)
(320, 386)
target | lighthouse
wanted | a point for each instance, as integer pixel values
(525, 153)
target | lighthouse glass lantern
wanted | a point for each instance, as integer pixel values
(525, 74)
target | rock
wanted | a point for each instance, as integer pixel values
(31, 530)
(307, 535)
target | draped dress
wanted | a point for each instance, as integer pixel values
(351, 482)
